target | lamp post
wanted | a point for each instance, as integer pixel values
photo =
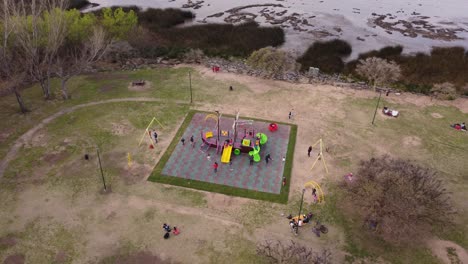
(102, 173)
(376, 107)
(300, 209)
(190, 85)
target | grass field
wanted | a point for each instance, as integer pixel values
(52, 209)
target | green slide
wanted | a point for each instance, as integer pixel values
(254, 153)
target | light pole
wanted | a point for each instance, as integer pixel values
(102, 173)
(190, 85)
(300, 209)
(377, 106)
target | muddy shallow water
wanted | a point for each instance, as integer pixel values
(366, 24)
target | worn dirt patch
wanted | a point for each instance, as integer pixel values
(411, 141)
(39, 139)
(120, 129)
(61, 257)
(7, 241)
(140, 88)
(439, 249)
(14, 259)
(436, 115)
(4, 136)
(52, 158)
(106, 88)
(135, 173)
(142, 257)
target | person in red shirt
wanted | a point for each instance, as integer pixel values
(215, 167)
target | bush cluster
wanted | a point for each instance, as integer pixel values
(420, 72)
(327, 56)
(160, 36)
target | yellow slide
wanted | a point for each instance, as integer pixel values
(226, 157)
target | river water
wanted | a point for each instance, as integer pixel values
(350, 20)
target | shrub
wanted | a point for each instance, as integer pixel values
(273, 61)
(327, 56)
(444, 91)
(398, 200)
(159, 35)
(194, 55)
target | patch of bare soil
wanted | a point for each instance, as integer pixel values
(7, 241)
(121, 129)
(142, 257)
(436, 115)
(135, 173)
(106, 88)
(411, 141)
(14, 259)
(52, 158)
(140, 88)
(61, 257)
(5, 134)
(461, 103)
(39, 139)
(441, 249)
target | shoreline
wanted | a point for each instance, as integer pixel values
(365, 28)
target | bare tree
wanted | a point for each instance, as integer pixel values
(398, 200)
(75, 58)
(39, 33)
(11, 66)
(378, 71)
(292, 253)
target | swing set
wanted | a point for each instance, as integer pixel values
(314, 184)
(152, 141)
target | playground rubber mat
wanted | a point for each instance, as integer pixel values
(192, 162)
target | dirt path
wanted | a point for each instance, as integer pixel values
(28, 135)
(441, 249)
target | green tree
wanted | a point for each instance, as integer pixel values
(117, 22)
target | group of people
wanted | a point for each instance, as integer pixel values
(168, 230)
(303, 219)
(192, 141)
(461, 126)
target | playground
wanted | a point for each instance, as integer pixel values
(232, 153)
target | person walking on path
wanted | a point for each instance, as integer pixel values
(267, 158)
(309, 150)
(192, 142)
(215, 167)
(231, 89)
(183, 141)
(251, 160)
